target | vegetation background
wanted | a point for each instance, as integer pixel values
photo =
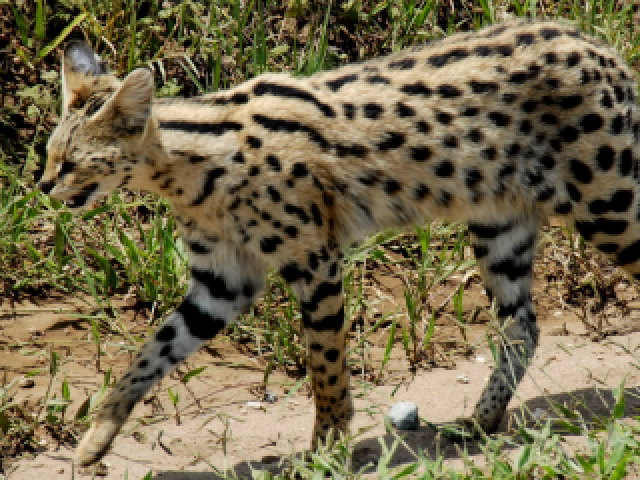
(123, 260)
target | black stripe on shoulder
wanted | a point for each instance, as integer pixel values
(216, 129)
(290, 126)
(287, 91)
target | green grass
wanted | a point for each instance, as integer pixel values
(128, 244)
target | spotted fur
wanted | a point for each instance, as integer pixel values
(500, 128)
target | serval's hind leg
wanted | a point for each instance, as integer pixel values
(504, 251)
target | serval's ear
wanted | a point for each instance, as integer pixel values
(129, 108)
(83, 72)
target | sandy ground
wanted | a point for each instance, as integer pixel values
(218, 430)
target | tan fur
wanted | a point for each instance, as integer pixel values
(501, 128)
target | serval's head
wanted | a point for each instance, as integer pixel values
(103, 123)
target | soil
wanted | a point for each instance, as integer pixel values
(214, 428)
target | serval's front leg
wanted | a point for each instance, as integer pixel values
(217, 294)
(322, 304)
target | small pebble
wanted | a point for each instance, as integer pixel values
(255, 405)
(270, 397)
(463, 379)
(480, 359)
(404, 415)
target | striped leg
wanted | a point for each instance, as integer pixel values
(505, 251)
(320, 292)
(214, 299)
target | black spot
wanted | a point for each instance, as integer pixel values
(391, 186)
(166, 334)
(420, 154)
(472, 177)
(368, 178)
(287, 91)
(316, 215)
(444, 118)
(489, 153)
(372, 110)
(605, 157)
(273, 194)
(450, 141)
(291, 273)
(549, 33)
(199, 248)
(608, 247)
(569, 134)
(574, 193)
(337, 83)
(483, 87)
(619, 93)
(570, 101)
(420, 191)
(526, 127)
(449, 91)
(216, 129)
(66, 168)
(332, 355)
(509, 98)
(333, 269)
(617, 124)
(629, 254)
(525, 39)
(476, 135)
(549, 118)
(291, 231)
(270, 244)
(480, 251)
(545, 194)
(297, 211)
(626, 162)
(550, 58)
(529, 106)
(417, 88)
(547, 161)
(444, 169)
(254, 170)
(518, 77)
(403, 110)
(506, 170)
(403, 64)
(423, 127)
(274, 163)
(470, 111)
(513, 150)
(392, 140)
(378, 80)
(354, 150)
(440, 60)
(349, 110)
(164, 351)
(574, 59)
(254, 142)
(299, 170)
(443, 198)
(580, 171)
(591, 122)
(499, 119)
(563, 208)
